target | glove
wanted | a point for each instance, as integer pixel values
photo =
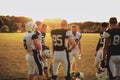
(79, 56)
(103, 65)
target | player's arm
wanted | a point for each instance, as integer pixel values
(52, 47)
(44, 39)
(72, 41)
(98, 45)
(80, 47)
(105, 46)
(52, 44)
(36, 42)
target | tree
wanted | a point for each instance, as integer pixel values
(4, 28)
(1, 22)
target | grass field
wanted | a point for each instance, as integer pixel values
(12, 56)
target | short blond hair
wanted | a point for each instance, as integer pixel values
(38, 23)
(63, 23)
(74, 25)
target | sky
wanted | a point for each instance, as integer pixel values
(71, 10)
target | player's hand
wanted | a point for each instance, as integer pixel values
(103, 65)
(79, 56)
(81, 53)
(43, 58)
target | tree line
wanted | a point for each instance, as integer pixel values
(84, 27)
(88, 26)
(15, 24)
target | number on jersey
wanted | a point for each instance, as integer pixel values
(116, 40)
(57, 40)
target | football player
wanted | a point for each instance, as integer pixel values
(99, 48)
(112, 39)
(76, 53)
(42, 31)
(60, 52)
(33, 49)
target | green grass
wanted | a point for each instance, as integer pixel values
(12, 56)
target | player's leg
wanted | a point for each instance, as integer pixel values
(46, 69)
(73, 65)
(39, 65)
(71, 61)
(98, 57)
(75, 61)
(118, 67)
(117, 72)
(112, 66)
(29, 60)
(108, 67)
(55, 64)
(51, 69)
(38, 73)
(30, 72)
(66, 64)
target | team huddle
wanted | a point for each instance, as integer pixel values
(67, 51)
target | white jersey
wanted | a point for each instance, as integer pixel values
(75, 52)
(28, 43)
(77, 37)
(33, 61)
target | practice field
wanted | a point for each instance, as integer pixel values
(12, 56)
